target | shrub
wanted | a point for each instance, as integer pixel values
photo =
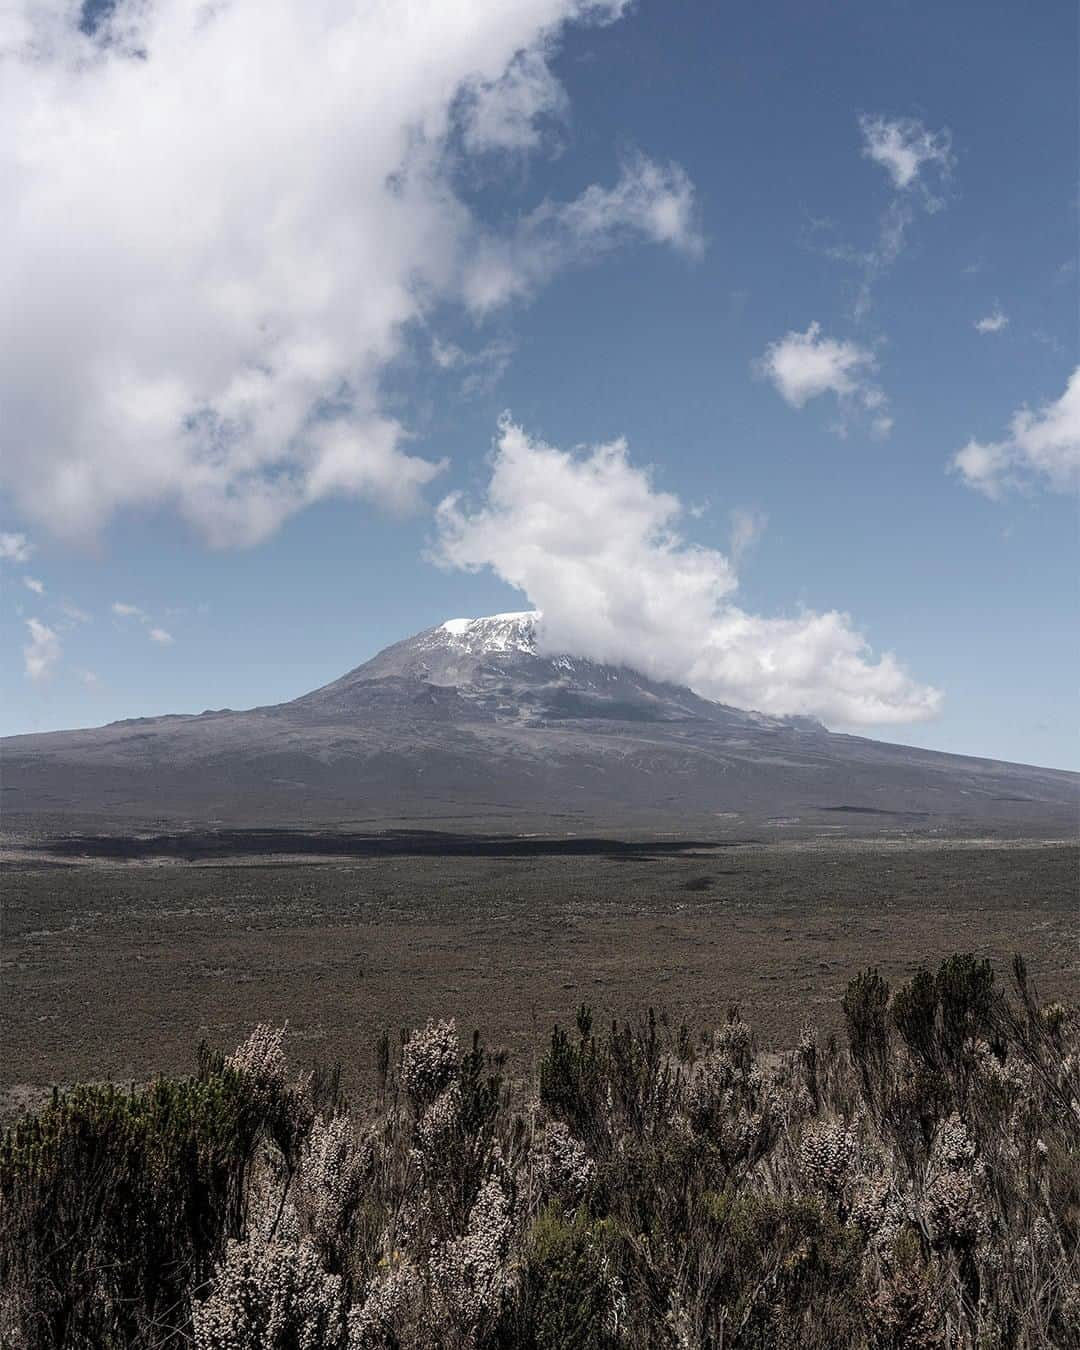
(565, 1297)
(646, 1192)
(116, 1204)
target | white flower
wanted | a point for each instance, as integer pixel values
(429, 1061)
(271, 1296)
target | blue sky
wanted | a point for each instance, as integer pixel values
(607, 243)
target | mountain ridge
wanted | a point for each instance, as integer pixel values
(472, 719)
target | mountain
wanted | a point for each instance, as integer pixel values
(468, 724)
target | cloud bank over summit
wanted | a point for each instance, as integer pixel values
(219, 223)
(594, 545)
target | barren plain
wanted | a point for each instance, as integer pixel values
(116, 963)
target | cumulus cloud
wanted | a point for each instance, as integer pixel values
(593, 542)
(160, 636)
(1042, 448)
(994, 322)
(125, 611)
(803, 366)
(42, 652)
(15, 548)
(221, 222)
(32, 584)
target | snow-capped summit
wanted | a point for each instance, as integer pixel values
(496, 666)
(514, 632)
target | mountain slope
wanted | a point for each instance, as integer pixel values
(470, 722)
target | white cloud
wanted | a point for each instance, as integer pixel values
(1042, 447)
(992, 323)
(806, 365)
(593, 543)
(32, 584)
(482, 370)
(90, 679)
(42, 652)
(15, 548)
(652, 201)
(509, 113)
(919, 164)
(161, 636)
(747, 527)
(267, 198)
(73, 613)
(905, 148)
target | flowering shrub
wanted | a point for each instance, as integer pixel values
(428, 1062)
(564, 1167)
(270, 1296)
(915, 1190)
(827, 1156)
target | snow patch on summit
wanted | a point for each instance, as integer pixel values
(514, 632)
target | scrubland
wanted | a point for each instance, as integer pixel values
(911, 1182)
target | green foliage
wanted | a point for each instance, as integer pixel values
(572, 1080)
(941, 1018)
(914, 1010)
(101, 1179)
(865, 1006)
(965, 989)
(564, 1297)
(622, 1080)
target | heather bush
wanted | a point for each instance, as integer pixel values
(915, 1188)
(115, 1204)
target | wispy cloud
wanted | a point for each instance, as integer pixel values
(994, 322)
(918, 163)
(909, 153)
(804, 366)
(652, 201)
(73, 613)
(15, 548)
(42, 652)
(123, 610)
(747, 527)
(480, 370)
(511, 113)
(32, 584)
(1041, 449)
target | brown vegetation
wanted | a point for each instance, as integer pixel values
(914, 1186)
(113, 972)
